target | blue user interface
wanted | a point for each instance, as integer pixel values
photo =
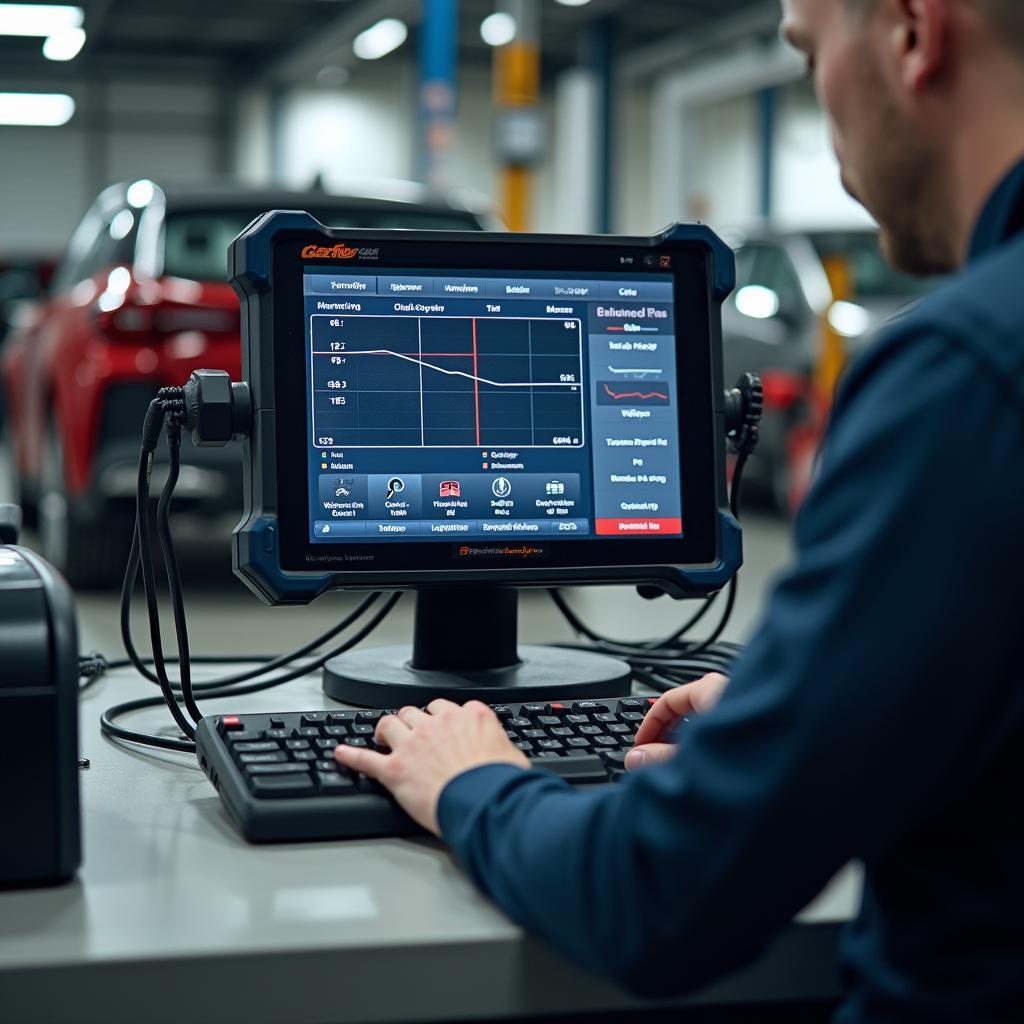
(450, 405)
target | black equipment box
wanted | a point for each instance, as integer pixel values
(39, 802)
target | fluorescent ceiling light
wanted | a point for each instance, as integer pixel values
(380, 39)
(498, 29)
(64, 45)
(37, 109)
(38, 19)
(573, 3)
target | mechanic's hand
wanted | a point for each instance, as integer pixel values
(694, 698)
(429, 750)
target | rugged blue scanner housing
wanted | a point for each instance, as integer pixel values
(451, 409)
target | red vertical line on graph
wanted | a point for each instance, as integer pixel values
(476, 386)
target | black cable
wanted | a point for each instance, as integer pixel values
(108, 720)
(171, 570)
(142, 528)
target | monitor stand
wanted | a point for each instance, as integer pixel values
(464, 648)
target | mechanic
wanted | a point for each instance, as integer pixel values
(878, 714)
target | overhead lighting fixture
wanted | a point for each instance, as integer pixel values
(573, 3)
(498, 29)
(38, 19)
(36, 109)
(64, 45)
(381, 39)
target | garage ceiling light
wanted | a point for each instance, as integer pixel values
(38, 19)
(380, 39)
(64, 45)
(36, 109)
(498, 29)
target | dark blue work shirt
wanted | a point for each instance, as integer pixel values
(878, 713)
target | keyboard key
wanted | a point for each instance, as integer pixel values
(577, 719)
(337, 732)
(549, 720)
(556, 708)
(620, 729)
(503, 711)
(524, 745)
(632, 716)
(606, 741)
(519, 723)
(543, 754)
(578, 741)
(340, 717)
(280, 786)
(356, 741)
(587, 707)
(296, 744)
(614, 758)
(532, 710)
(276, 722)
(255, 748)
(633, 704)
(234, 738)
(275, 758)
(304, 755)
(543, 745)
(231, 723)
(309, 732)
(591, 730)
(328, 766)
(533, 734)
(606, 718)
(368, 717)
(363, 729)
(314, 718)
(585, 768)
(276, 734)
(561, 731)
(289, 768)
(328, 743)
(335, 784)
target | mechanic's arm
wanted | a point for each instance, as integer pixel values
(853, 715)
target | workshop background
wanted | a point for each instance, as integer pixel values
(541, 115)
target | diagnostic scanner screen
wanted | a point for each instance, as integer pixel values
(450, 405)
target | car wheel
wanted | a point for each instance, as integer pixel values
(89, 550)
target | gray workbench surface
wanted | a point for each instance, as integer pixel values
(174, 917)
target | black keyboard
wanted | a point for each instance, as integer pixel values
(279, 781)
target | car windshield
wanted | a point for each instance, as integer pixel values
(196, 241)
(871, 276)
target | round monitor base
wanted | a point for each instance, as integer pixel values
(382, 677)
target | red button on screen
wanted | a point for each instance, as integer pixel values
(638, 527)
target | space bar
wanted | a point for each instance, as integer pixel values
(585, 768)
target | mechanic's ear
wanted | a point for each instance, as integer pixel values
(919, 36)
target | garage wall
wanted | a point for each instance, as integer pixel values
(121, 130)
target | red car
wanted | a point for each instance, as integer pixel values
(138, 302)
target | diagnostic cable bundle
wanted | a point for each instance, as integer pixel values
(661, 664)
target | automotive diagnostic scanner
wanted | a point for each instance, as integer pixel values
(465, 414)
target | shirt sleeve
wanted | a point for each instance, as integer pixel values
(857, 709)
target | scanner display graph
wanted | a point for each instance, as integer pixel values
(447, 381)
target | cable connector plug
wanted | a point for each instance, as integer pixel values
(744, 406)
(217, 409)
